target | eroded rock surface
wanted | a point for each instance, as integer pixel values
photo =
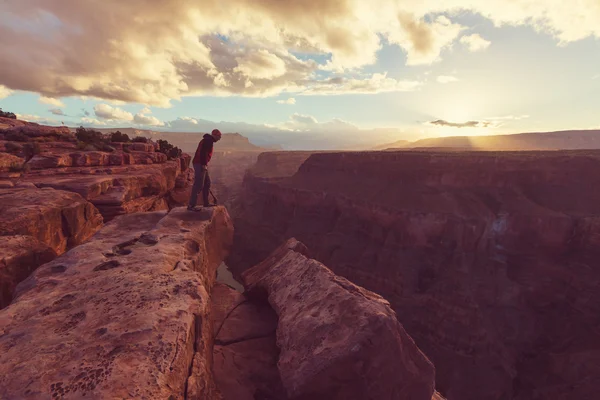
(125, 315)
(121, 179)
(35, 226)
(58, 218)
(337, 340)
(489, 259)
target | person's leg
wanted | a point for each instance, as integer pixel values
(206, 189)
(198, 185)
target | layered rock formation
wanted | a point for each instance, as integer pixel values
(131, 177)
(35, 226)
(488, 258)
(55, 192)
(125, 315)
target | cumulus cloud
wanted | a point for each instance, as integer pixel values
(303, 119)
(467, 124)
(142, 119)
(51, 101)
(475, 42)
(261, 65)
(446, 79)
(104, 111)
(181, 48)
(424, 41)
(290, 101)
(146, 110)
(57, 111)
(5, 92)
(91, 122)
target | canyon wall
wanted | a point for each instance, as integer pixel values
(489, 259)
(56, 192)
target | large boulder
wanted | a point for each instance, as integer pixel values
(337, 340)
(125, 315)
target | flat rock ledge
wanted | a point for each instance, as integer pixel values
(125, 315)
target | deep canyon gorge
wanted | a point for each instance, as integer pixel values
(488, 258)
(365, 275)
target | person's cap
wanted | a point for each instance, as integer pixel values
(216, 133)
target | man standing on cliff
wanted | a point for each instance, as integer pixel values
(201, 178)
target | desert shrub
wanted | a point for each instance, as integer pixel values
(7, 114)
(167, 148)
(119, 137)
(81, 145)
(140, 139)
(12, 147)
(17, 137)
(89, 136)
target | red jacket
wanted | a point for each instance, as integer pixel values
(204, 151)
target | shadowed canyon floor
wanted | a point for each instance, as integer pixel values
(489, 259)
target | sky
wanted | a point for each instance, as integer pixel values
(306, 73)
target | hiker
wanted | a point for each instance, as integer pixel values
(200, 162)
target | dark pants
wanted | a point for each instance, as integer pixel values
(201, 182)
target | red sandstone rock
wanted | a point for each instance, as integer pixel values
(145, 147)
(337, 340)
(19, 256)
(35, 225)
(485, 256)
(125, 315)
(9, 162)
(126, 189)
(57, 218)
(245, 353)
(46, 161)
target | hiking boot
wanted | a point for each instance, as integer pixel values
(195, 208)
(209, 205)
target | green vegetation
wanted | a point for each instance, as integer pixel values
(89, 136)
(140, 139)
(119, 137)
(167, 148)
(7, 114)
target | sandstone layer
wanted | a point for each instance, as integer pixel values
(35, 226)
(489, 259)
(125, 315)
(122, 178)
(337, 340)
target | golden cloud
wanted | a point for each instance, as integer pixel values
(152, 52)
